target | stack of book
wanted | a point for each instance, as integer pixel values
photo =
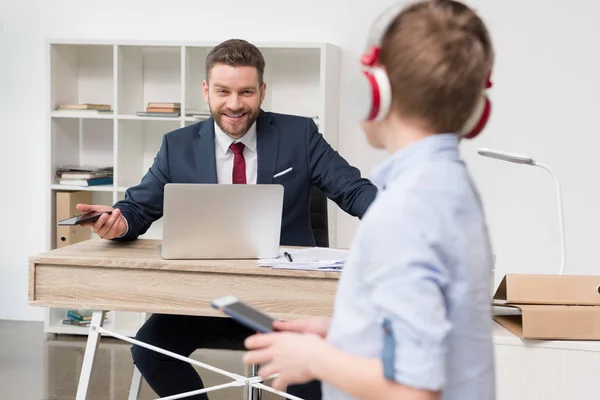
(79, 318)
(161, 110)
(84, 176)
(197, 114)
(85, 108)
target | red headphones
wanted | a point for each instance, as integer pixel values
(375, 96)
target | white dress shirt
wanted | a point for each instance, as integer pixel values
(224, 155)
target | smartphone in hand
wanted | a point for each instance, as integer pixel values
(244, 314)
(80, 219)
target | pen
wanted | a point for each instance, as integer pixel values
(288, 256)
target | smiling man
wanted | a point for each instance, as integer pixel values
(234, 109)
(239, 144)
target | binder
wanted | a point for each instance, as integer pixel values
(551, 306)
(66, 201)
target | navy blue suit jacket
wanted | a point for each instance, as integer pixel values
(187, 155)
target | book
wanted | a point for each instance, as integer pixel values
(69, 321)
(91, 111)
(83, 168)
(162, 109)
(87, 182)
(164, 105)
(79, 315)
(84, 175)
(85, 106)
(156, 114)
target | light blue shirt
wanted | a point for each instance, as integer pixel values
(415, 291)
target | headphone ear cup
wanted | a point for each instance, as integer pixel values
(364, 96)
(371, 95)
(384, 91)
(478, 119)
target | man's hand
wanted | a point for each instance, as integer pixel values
(107, 226)
(290, 355)
(317, 325)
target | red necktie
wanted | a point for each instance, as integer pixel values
(239, 164)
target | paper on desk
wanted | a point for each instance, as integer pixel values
(314, 258)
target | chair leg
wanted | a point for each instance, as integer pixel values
(254, 393)
(136, 384)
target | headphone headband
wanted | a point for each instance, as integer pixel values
(380, 26)
(374, 93)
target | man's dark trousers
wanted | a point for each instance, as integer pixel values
(183, 335)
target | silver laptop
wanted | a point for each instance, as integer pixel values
(221, 221)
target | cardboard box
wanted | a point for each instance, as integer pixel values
(65, 208)
(551, 306)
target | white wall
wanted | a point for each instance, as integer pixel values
(544, 105)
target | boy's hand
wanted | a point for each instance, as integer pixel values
(290, 355)
(317, 325)
(107, 226)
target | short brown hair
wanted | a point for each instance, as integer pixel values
(437, 54)
(236, 53)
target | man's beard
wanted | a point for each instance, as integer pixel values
(251, 116)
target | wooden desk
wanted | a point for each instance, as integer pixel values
(131, 276)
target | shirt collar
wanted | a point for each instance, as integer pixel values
(400, 161)
(224, 140)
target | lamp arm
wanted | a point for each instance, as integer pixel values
(561, 221)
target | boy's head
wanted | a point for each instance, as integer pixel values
(438, 57)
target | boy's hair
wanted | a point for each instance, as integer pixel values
(236, 53)
(437, 54)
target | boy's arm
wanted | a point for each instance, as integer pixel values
(363, 378)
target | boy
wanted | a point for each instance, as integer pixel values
(412, 315)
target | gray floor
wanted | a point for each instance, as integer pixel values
(35, 368)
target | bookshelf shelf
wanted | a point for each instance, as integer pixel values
(78, 114)
(302, 79)
(139, 118)
(98, 188)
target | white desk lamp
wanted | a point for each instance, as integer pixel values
(523, 159)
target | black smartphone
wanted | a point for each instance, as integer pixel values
(244, 314)
(80, 219)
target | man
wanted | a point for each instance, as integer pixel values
(412, 316)
(242, 144)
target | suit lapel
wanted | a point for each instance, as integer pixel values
(267, 147)
(204, 153)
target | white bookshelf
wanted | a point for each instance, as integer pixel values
(302, 79)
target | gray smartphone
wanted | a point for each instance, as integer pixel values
(244, 314)
(80, 219)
